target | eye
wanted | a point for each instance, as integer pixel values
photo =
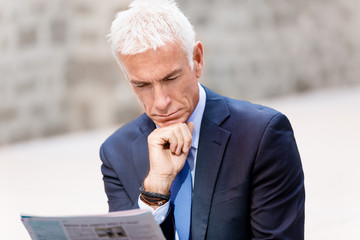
(171, 79)
(140, 85)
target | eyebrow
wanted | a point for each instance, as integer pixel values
(171, 74)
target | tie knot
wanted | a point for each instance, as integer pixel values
(190, 158)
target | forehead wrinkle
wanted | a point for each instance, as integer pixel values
(154, 65)
(146, 79)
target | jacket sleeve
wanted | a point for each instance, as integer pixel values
(278, 195)
(118, 199)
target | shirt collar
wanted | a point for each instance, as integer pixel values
(196, 117)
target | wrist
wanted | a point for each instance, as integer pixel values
(153, 199)
(158, 183)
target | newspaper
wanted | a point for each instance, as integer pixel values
(134, 224)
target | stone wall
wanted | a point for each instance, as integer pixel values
(259, 48)
(57, 73)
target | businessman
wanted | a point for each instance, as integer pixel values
(207, 166)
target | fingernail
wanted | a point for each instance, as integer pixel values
(186, 149)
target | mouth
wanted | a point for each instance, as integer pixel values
(170, 115)
(163, 120)
(167, 119)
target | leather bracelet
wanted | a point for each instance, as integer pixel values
(154, 195)
(152, 201)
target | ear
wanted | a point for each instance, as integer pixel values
(198, 59)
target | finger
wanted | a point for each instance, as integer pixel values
(187, 133)
(178, 133)
(173, 142)
(191, 127)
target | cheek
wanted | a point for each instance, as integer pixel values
(179, 93)
(185, 96)
(144, 100)
(191, 90)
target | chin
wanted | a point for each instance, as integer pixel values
(169, 122)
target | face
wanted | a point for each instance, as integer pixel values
(164, 83)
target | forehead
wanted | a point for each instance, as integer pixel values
(154, 63)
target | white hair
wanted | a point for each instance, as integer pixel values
(150, 24)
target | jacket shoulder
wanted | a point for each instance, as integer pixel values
(248, 111)
(128, 132)
(229, 109)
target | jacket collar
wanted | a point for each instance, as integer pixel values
(212, 144)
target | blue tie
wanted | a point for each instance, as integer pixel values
(181, 194)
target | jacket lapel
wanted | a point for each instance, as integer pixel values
(212, 143)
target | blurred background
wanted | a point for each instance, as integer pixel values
(62, 94)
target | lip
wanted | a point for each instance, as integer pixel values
(168, 119)
(166, 115)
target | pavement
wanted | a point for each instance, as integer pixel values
(61, 175)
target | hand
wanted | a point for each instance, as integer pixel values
(168, 150)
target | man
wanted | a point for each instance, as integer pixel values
(207, 166)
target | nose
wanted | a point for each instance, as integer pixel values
(162, 99)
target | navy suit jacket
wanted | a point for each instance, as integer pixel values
(249, 182)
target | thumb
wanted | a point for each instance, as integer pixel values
(191, 127)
